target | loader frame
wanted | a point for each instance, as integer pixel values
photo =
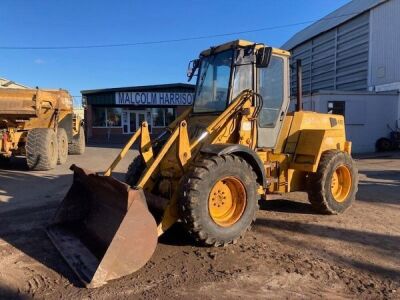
(186, 150)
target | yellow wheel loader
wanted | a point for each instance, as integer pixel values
(208, 170)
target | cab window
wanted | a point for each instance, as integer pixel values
(271, 90)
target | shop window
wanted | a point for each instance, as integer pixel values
(169, 116)
(99, 116)
(158, 117)
(113, 116)
(336, 107)
(106, 117)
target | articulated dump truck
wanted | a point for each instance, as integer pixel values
(237, 145)
(39, 124)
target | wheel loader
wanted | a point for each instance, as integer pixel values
(237, 145)
(41, 125)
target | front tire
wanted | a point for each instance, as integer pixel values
(219, 199)
(41, 149)
(333, 188)
(135, 170)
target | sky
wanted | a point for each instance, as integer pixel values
(98, 22)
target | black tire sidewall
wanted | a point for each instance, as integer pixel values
(233, 167)
(40, 156)
(62, 153)
(340, 159)
(135, 170)
(52, 155)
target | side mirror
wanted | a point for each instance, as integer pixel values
(192, 67)
(263, 57)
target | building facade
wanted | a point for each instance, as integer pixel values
(353, 54)
(112, 115)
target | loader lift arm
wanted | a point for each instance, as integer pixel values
(179, 136)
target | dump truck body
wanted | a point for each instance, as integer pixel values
(34, 113)
(210, 167)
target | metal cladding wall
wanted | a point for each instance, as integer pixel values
(336, 59)
(367, 114)
(385, 44)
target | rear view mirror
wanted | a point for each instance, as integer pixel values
(192, 67)
(263, 57)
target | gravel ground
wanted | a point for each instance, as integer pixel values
(290, 253)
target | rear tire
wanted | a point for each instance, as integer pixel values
(77, 145)
(41, 149)
(62, 140)
(333, 188)
(219, 199)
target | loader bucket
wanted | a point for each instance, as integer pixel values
(103, 228)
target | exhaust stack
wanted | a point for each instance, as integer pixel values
(299, 79)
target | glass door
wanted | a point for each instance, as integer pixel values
(140, 118)
(132, 122)
(136, 118)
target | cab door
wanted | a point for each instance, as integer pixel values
(273, 86)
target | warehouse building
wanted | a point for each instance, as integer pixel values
(113, 114)
(351, 66)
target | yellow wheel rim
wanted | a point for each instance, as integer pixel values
(341, 183)
(227, 201)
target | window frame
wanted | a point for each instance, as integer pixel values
(333, 102)
(152, 117)
(229, 92)
(106, 116)
(283, 90)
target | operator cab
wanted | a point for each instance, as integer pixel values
(224, 71)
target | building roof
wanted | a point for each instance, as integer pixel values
(142, 88)
(9, 84)
(335, 18)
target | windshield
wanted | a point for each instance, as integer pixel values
(213, 84)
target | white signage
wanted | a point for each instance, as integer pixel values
(152, 98)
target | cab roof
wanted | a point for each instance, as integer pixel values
(240, 43)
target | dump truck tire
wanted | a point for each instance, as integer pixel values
(333, 188)
(77, 145)
(41, 149)
(219, 199)
(62, 140)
